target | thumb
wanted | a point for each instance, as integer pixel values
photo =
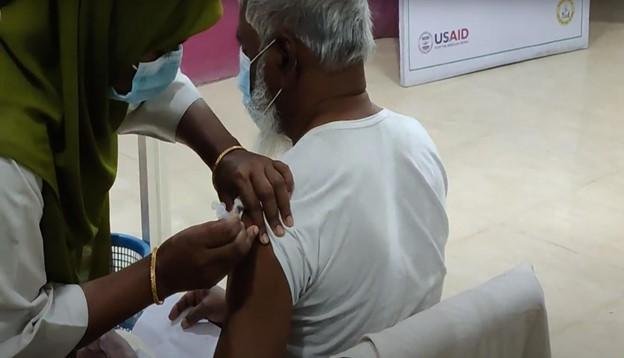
(195, 315)
(227, 199)
(252, 233)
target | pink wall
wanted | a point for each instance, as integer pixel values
(386, 17)
(213, 55)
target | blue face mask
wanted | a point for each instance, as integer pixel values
(151, 78)
(244, 76)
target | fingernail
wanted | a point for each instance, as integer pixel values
(290, 222)
(255, 231)
(279, 230)
(264, 239)
(185, 324)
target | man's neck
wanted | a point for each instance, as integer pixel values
(343, 109)
(341, 97)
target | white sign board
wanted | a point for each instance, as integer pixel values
(446, 38)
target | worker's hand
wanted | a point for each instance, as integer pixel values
(110, 344)
(203, 255)
(203, 304)
(263, 185)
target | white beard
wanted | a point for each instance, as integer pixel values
(272, 145)
(271, 141)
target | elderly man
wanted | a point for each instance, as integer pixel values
(367, 250)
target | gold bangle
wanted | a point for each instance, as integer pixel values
(225, 152)
(155, 296)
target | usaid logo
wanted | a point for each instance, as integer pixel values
(425, 42)
(565, 11)
(428, 41)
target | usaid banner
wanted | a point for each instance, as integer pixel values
(446, 38)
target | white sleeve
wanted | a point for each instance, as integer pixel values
(290, 252)
(159, 117)
(37, 319)
(296, 254)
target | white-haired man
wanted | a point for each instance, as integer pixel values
(367, 250)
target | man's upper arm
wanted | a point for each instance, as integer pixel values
(260, 308)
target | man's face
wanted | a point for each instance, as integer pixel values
(262, 108)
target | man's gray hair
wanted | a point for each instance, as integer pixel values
(338, 32)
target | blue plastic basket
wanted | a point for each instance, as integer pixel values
(126, 250)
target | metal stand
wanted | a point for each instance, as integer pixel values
(155, 209)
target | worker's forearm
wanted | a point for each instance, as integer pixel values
(116, 297)
(203, 132)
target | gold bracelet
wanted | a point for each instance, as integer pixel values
(155, 296)
(225, 152)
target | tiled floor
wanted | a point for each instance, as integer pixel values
(535, 157)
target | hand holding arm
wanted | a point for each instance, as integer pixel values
(264, 185)
(179, 113)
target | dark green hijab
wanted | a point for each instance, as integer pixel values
(57, 59)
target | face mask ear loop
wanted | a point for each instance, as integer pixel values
(262, 52)
(265, 49)
(276, 97)
(273, 101)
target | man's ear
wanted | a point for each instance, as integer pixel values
(287, 47)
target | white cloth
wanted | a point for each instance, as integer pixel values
(367, 249)
(167, 339)
(38, 318)
(505, 317)
(159, 117)
(30, 308)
